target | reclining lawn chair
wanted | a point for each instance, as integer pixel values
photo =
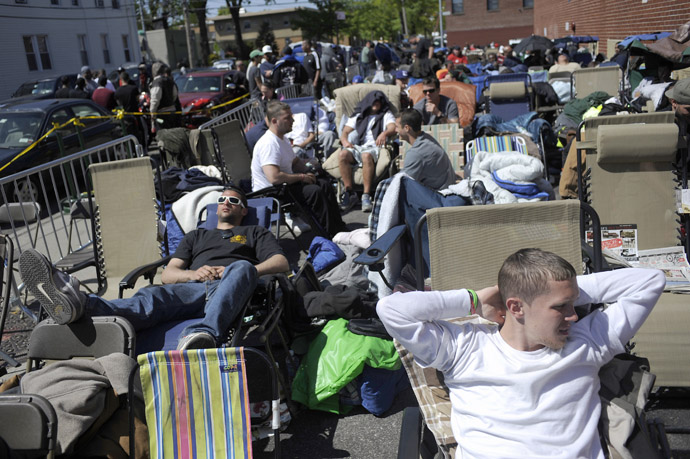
(508, 95)
(127, 220)
(585, 81)
(631, 177)
(6, 263)
(346, 99)
(197, 402)
(232, 152)
(554, 226)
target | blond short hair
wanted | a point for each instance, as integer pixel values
(525, 273)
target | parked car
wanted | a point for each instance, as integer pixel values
(21, 124)
(206, 89)
(224, 64)
(41, 88)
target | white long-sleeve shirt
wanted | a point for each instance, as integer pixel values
(514, 404)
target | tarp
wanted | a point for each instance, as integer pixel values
(643, 37)
(576, 39)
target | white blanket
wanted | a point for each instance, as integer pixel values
(510, 166)
(186, 209)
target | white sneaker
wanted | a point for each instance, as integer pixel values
(297, 225)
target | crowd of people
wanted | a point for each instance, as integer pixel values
(538, 369)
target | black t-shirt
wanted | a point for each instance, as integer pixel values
(200, 247)
(127, 97)
(311, 65)
(423, 48)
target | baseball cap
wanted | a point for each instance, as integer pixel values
(85, 69)
(680, 92)
(357, 79)
(401, 74)
(255, 53)
(441, 73)
(267, 49)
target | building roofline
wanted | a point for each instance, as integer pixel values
(258, 13)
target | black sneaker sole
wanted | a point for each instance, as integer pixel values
(36, 272)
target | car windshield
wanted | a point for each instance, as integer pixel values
(35, 87)
(191, 83)
(19, 129)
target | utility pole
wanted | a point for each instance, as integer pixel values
(188, 33)
(440, 20)
(404, 18)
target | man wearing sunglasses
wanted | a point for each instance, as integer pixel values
(211, 276)
(435, 108)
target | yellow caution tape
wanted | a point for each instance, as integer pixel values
(119, 114)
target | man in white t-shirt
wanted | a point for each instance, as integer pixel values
(529, 388)
(275, 163)
(367, 131)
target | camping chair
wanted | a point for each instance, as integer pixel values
(346, 99)
(555, 226)
(197, 402)
(232, 153)
(512, 97)
(462, 93)
(585, 81)
(631, 179)
(495, 144)
(28, 427)
(6, 263)
(126, 222)
(89, 337)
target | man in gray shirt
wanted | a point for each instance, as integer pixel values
(435, 108)
(425, 161)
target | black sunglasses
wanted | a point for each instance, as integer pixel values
(231, 199)
(429, 91)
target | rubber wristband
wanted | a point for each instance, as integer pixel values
(474, 301)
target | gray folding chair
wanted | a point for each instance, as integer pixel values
(28, 426)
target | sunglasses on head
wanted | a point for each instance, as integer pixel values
(231, 199)
(429, 91)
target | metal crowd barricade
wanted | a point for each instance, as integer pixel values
(291, 91)
(243, 113)
(37, 206)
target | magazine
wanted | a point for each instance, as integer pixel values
(620, 240)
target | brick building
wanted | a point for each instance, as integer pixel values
(483, 21)
(610, 20)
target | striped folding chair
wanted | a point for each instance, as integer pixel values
(197, 403)
(495, 144)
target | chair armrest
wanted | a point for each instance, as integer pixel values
(409, 446)
(148, 271)
(373, 256)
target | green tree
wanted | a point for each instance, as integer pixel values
(266, 36)
(319, 23)
(373, 19)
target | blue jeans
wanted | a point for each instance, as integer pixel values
(217, 303)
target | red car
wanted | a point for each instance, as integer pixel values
(200, 91)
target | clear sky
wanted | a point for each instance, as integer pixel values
(258, 5)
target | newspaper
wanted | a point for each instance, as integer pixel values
(620, 240)
(671, 260)
(683, 201)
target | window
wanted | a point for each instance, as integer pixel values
(82, 49)
(106, 49)
(61, 117)
(86, 110)
(528, 3)
(55, 2)
(286, 22)
(247, 25)
(116, 4)
(37, 55)
(19, 1)
(492, 5)
(125, 47)
(75, 2)
(458, 6)
(100, 3)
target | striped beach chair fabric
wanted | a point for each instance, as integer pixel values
(450, 136)
(197, 403)
(494, 144)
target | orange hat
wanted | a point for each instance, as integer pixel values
(441, 74)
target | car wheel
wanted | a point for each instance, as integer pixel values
(25, 190)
